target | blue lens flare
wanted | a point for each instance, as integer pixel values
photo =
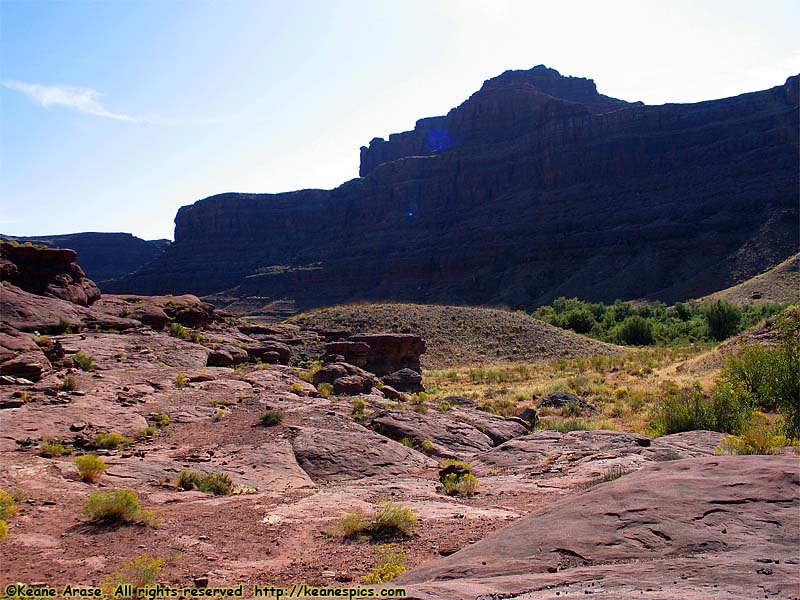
(438, 139)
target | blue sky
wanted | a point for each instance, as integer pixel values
(114, 114)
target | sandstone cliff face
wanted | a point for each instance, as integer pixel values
(535, 187)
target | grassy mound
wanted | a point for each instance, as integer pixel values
(780, 284)
(459, 335)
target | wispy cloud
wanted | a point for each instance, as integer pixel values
(81, 99)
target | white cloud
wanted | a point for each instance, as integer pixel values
(81, 99)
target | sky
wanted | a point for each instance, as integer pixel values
(114, 114)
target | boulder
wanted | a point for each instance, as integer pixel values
(404, 380)
(561, 399)
(20, 356)
(270, 352)
(390, 352)
(152, 316)
(529, 416)
(355, 353)
(352, 385)
(328, 455)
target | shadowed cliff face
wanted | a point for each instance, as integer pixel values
(535, 187)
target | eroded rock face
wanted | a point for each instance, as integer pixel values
(348, 453)
(20, 356)
(390, 352)
(47, 272)
(734, 534)
(535, 187)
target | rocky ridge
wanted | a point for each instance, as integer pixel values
(535, 187)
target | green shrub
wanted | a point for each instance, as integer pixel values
(427, 446)
(454, 484)
(118, 507)
(359, 407)
(325, 389)
(110, 440)
(3, 530)
(722, 318)
(768, 377)
(390, 563)
(297, 389)
(179, 331)
(759, 437)
(70, 384)
(181, 379)
(271, 418)
(683, 410)
(84, 361)
(140, 573)
(454, 462)
(162, 419)
(90, 467)
(635, 331)
(8, 505)
(64, 326)
(53, 448)
(353, 524)
(218, 484)
(145, 433)
(390, 520)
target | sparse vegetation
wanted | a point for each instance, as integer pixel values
(325, 389)
(454, 484)
(162, 420)
(70, 384)
(181, 379)
(110, 440)
(8, 507)
(297, 389)
(64, 326)
(760, 436)
(613, 473)
(90, 467)
(359, 406)
(141, 572)
(179, 331)
(53, 448)
(218, 484)
(271, 417)
(390, 562)
(83, 361)
(391, 519)
(118, 507)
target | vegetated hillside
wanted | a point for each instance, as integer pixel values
(460, 335)
(535, 187)
(780, 284)
(103, 256)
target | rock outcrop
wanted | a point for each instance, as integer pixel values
(47, 272)
(535, 187)
(104, 256)
(733, 536)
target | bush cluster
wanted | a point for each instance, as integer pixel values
(218, 484)
(639, 324)
(90, 467)
(391, 519)
(118, 507)
(761, 378)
